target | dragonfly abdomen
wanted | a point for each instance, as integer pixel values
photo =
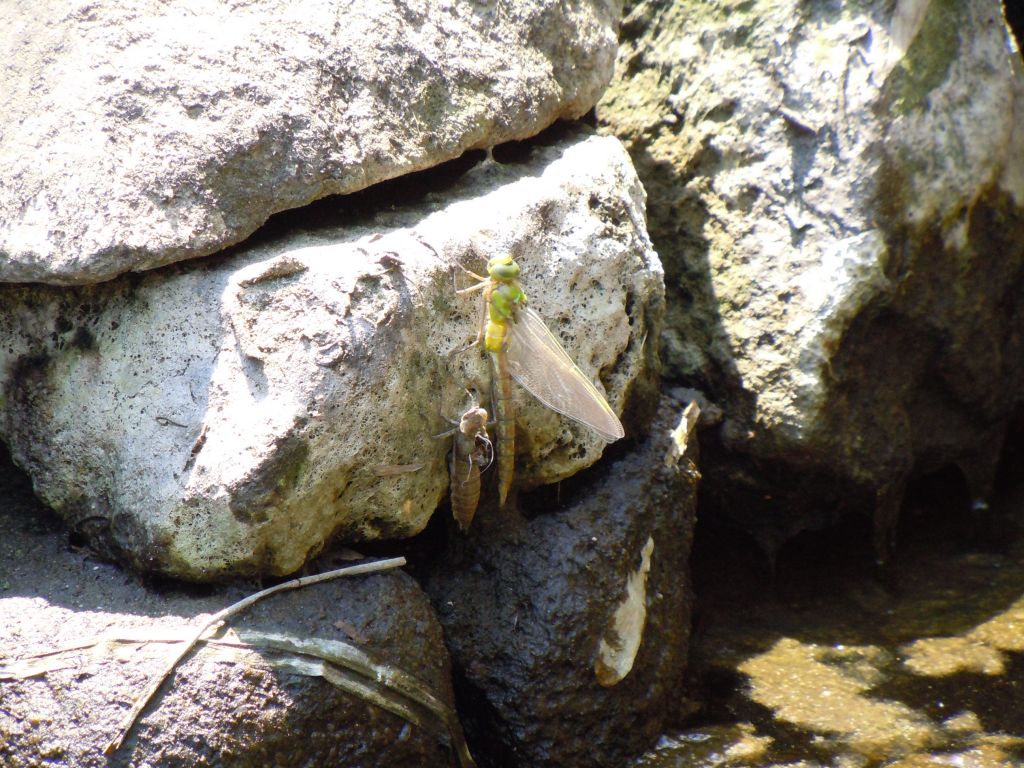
(505, 427)
(465, 492)
(494, 337)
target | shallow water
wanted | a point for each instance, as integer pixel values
(837, 664)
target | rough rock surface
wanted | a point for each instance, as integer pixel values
(530, 605)
(229, 416)
(837, 190)
(138, 134)
(213, 711)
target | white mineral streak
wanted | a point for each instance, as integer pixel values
(682, 437)
(618, 648)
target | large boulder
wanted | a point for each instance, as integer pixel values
(229, 416)
(138, 134)
(569, 625)
(79, 643)
(837, 190)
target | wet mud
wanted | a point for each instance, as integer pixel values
(830, 661)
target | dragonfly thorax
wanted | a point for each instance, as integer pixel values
(504, 300)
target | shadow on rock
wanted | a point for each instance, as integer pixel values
(569, 629)
(80, 640)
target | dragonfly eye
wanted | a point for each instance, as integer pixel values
(502, 268)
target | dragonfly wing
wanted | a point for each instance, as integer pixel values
(541, 366)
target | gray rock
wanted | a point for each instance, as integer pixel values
(229, 416)
(222, 706)
(569, 630)
(138, 134)
(837, 190)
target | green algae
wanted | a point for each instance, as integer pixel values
(925, 65)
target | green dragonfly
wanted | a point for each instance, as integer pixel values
(522, 348)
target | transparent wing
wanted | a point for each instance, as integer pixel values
(542, 367)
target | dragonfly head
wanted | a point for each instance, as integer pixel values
(502, 268)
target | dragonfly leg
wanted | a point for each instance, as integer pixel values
(483, 314)
(474, 275)
(453, 422)
(484, 284)
(480, 331)
(474, 401)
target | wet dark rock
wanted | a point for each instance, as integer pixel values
(221, 706)
(526, 601)
(265, 717)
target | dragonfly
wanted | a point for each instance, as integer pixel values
(522, 348)
(472, 452)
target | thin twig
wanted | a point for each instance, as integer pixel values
(221, 616)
